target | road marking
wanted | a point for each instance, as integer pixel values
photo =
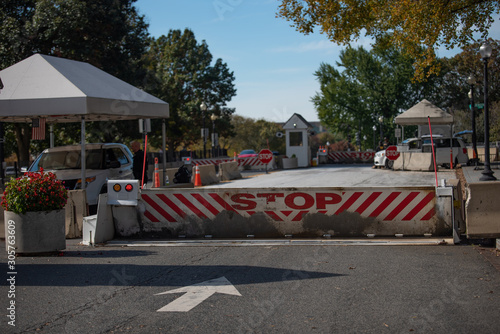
(197, 293)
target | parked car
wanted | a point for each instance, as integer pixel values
(380, 160)
(442, 150)
(103, 162)
(247, 154)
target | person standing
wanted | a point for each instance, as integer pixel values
(138, 162)
(386, 143)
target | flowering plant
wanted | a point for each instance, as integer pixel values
(36, 191)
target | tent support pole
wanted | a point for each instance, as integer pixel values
(164, 149)
(51, 130)
(83, 159)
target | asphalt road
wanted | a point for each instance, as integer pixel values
(272, 289)
(336, 176)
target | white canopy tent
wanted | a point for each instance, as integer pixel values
(422, 112)
(62, 90)
(417, 115)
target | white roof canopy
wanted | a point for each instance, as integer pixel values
(63, 90)
(418, 114)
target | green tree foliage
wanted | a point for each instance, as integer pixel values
(181, 72)
(255, 135)
(418, 26)
(108, 34)
(371, 84)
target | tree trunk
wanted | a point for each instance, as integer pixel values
(23, 137)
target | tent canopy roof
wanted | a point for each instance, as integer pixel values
(63, 90)
(417, 115)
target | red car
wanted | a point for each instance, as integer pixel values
(247, 154)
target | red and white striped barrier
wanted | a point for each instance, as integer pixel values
(253, 162)
(348, 157)
(382, 211)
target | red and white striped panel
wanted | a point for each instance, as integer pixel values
(340, 156)
(210, 161)
(252, 161)
(381, 204)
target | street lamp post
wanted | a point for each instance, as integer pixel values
(213, 118)
(374, 137)
(485, 51)
(471, 80)
(203, 108)
(381, 121)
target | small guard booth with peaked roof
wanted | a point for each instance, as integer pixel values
(297, 139)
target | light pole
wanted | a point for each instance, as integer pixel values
(374, 138)
(485, 51)
(381, 121)
(213, 118)
(203, 108)
(471, 80)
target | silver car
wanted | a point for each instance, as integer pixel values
(103, 162)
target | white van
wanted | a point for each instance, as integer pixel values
(446, 153)
(442, 149)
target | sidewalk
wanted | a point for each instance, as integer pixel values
(472, 174)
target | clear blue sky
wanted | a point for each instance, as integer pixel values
(273, 64)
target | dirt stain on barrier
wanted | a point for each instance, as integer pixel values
(346, 224)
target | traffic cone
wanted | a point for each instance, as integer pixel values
(197, 177)
(157, 175)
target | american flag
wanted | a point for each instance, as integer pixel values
(38, 129)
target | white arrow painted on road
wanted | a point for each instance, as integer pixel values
(197, 293)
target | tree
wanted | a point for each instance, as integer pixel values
(372, 84)
(418, 26)
(181, 73)
(455, 88)
(255, 135)
(108, 34)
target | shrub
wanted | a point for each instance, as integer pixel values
(35, 191)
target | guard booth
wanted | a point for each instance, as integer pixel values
(297, 139)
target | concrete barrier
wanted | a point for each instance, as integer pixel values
(414, 161)
(308, 212)
(170, 173)
(76, 209)
(480, 153)
(99, 228)
(207, 174)
(229, 171)
(483, 210)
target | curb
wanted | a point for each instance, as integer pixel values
(277, 242)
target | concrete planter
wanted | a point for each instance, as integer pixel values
(289, 163)
(35, 232)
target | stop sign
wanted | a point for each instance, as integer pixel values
(265, 156)
(392, 153)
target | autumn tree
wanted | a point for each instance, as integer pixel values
(181, 72)
(366, 86)
(418, 27)
(108, 34)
